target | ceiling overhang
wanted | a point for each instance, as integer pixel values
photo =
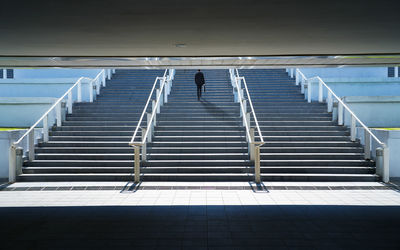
(195, 62)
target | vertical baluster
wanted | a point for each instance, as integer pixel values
(58, 114)
(79, 94)
(46, 128)
(340, 113)
(367, 145)
(330, 102)
(31, 145)
(320, 92)
(353, 128)
(150, 127)
(91, 91)
(137, 164)
(144, 147)
(103, 75)
(257, 168)
(309, 91)
(70, 102)
(251, 145)
(386, 158)
(98, 86)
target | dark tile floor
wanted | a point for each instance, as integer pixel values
(201, 227)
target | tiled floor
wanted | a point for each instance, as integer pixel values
(200, 216)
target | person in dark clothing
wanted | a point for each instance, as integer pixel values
(199, 80)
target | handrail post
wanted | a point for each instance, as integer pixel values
(150, 127)
(46, 128)
(144, 147)
(244, 107)
(309, 91)
(386, 174)
(158, 93)
(335, 113)
(70, 102)
(137, 164)
(246, 119)
(31, 145)
(297, 77)
(291, 72)
(340, 113)
(302, 85)
(251, 146)
(239, 83)
(104, 78)
(79, 90)
(58, 114)
(109, 74)
(19, 153)
(330, 102)
(166, 92)
(91, 91)
(320, 92)
(353, 128)
(12, 164)
(257, 168)
(367, 145)
(235, 94)
(153, 105)
(98, 86)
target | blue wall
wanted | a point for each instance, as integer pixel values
(54, 73)
(345, 72)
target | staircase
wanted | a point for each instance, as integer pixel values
(199, 140)
(302, 141)
(92, 144)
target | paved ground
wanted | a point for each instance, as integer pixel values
(199, 216)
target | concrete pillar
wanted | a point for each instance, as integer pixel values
(137, 164)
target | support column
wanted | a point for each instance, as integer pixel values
(367, 145)
(353, 128)
(137, 164)
(257, 168)
(31, 145)
(144, 147)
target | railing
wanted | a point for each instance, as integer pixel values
(147, 133)
(337, 107)
(253, 146)
(16, 153)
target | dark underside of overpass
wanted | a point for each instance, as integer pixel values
(173, 32)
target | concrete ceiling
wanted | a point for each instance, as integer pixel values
(207, 28)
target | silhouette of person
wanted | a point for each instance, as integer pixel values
(199, 80)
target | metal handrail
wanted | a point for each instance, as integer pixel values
(253, 146)
(251, 107)
(50, 109)
(348, 109)
(58, 101)
(15, 163)
(161, 94)
(132, 142)
(382, 153)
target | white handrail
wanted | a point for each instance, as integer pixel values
(132, 142)
(50, 109)
(348, 109)
(102, 72)
(13, 168)
(253, 146)
(161, 94)
(383, 158)
(251, 106)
